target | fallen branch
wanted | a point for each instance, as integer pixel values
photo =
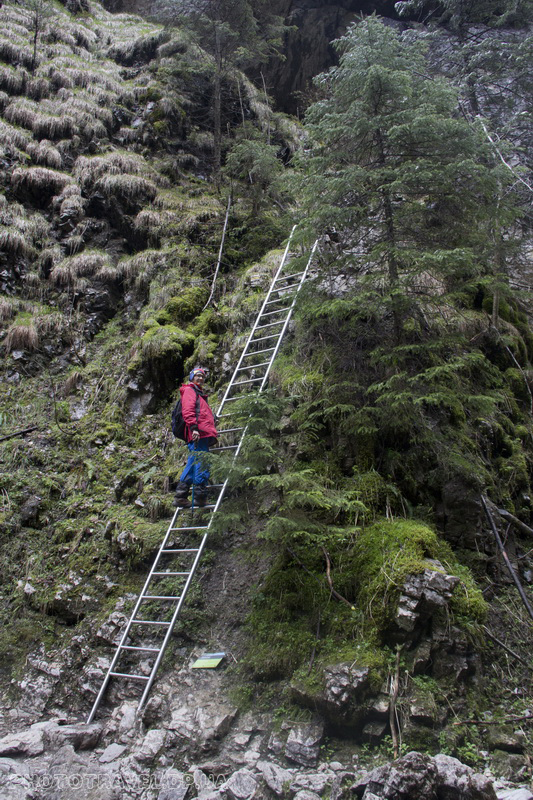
(515, 521)
(494, 721)
(335, 594)
(504, 646)
(395, 686)
(18, 433)
(513, 574)
(330, 582)
(219, 254)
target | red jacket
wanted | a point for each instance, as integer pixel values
(205, 423)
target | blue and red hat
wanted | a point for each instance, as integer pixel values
(196, 371)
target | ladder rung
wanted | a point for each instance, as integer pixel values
(288, 277)
(258, 352)
(269, 313)
(270, 324)
(133, 647)
(128, 675)
(229, 430)
(181, 550)
(227, 447)
(264, 338)
(190, 528)
(217, 485)
(290, 287)
(254, 366)
(240, 397)
(148, 622)
(171, 573)
(160, 597)
(250, 380)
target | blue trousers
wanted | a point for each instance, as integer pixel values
(197, 468)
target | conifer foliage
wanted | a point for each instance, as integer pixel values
(418, 221)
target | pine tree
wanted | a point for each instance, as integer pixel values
(404, 186)
(237, 34)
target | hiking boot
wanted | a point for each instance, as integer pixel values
(200, 496)
(181, 498)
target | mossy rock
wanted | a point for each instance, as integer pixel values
(184, 307)
(388, 551)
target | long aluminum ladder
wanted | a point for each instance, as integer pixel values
(161, 600)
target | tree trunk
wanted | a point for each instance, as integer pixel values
(217, 107)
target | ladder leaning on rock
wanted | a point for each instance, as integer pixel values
(158, 607)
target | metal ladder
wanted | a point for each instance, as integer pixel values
(159, 604)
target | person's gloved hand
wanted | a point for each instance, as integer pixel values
(195, 436)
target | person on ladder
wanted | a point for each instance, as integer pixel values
(201, 434)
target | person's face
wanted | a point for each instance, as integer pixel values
(199, 379)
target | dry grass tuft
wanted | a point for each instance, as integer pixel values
(45, 153)
(117, 162)
(138, 270)
(38, 88)
(14, 138)
(8, 309)
(14, 243)
(39, 183)
(72, 382)
(21, 337)
(74, 244)
(83, 265)
(108, 274)
(16, 53)
(13, 81)
(32, 279)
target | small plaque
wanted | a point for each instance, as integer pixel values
(208, 661)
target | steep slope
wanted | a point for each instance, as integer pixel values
(331, 578)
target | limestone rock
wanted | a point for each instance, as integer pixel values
(305, 794)
(342, 698)
(276, 778)
(303, 744)
(152, 745)
(173, 786)
(79, 735)
(420, 776)
(422, 595)
(241, 786)
(456, 780)
(514, 794)
(26, 743)
(112, 752)
(15, 781)
(317, 782)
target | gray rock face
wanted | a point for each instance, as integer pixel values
(241, 786)
(276, 778)
(173, 786)
(514, 794)
(342, 699)
(456, 780)
(422, 595)
(421, 776)
(303, 744)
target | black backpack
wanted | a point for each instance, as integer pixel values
(179, 425)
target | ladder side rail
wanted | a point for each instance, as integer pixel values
(291, 309)
(170, 628)
(250, 337)
(127, 629)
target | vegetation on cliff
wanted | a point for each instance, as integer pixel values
(403, 394)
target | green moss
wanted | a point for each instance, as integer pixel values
(387, 552)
